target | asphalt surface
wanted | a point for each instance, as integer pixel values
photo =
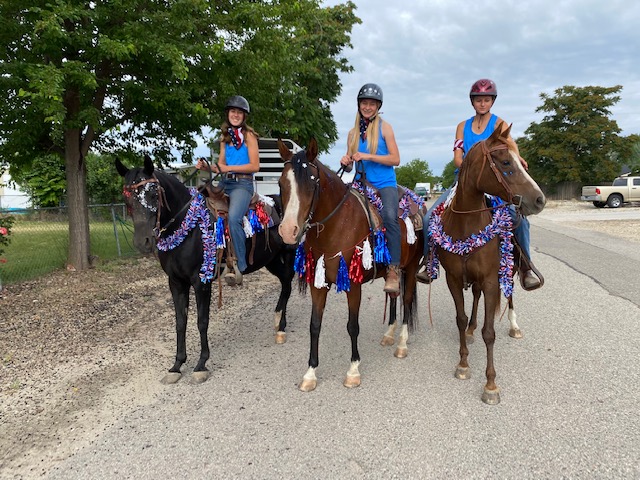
(569, 389)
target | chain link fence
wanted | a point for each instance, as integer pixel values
(40, 240)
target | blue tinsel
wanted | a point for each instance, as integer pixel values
(255, 221)
(220, 232)
(343, 284)
(298, 263)
(380, 250)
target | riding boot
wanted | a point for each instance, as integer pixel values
(392, 280)
(423, 276)
(530, 276)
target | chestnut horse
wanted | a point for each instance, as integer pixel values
(491, 167)
(318, 203)
(156, 199)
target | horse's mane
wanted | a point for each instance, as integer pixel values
(300, 166)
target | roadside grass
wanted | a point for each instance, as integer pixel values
(40, 247)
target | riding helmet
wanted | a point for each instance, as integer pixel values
(484, 86)
(370, 90)
(238, 101)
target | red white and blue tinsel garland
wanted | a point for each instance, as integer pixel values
(501, 226)
(197, 215)
(403, 203)
(314, 273)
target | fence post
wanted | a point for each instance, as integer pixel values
(115, 228)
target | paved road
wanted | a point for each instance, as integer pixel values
(569, 405)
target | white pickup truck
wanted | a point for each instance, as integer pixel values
(624, 189)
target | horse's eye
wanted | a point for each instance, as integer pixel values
(506, 163)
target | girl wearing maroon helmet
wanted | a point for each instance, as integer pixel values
(237, 162)
(372, 143)
(483, 95)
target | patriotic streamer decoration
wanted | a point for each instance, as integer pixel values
(309, 268)
(411, 233)
(356, 274)
(220, 240)
(381, 251)
(343, 284)
(247, 227)
(500, 225)
(298, 262)
(405, 203)
(367, 255)
(197, 215)
(320, 276)
(369, 193)
(364, 123)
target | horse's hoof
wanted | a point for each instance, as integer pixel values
(171, 378)
(515, 333)
(387, 341)
(200, 377)
(491, 397)
(469, 338)
(400, 352)
(308, 385)
(281, 337)
(463, 373)
(352, 381)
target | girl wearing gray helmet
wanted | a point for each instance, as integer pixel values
(372, 142)
(483, 95)
(237, 162)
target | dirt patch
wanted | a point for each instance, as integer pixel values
(79, 350)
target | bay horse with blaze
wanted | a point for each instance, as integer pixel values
(335, 224)
(166, 212)
(492, 167)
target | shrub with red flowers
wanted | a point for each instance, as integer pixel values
(6, 222)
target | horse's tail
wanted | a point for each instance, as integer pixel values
(412, 314)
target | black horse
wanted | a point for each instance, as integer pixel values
(168, 215)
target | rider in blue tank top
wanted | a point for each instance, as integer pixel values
(372, 143)
(238, 161)
(469, 132)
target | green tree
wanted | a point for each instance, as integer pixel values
(129, 75)
(413, 172)
(43, 180)
(576, 141)
(448, 174)
(104, 183)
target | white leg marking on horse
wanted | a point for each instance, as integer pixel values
(401, 349)
(353, 369)
(310, 375)
(389, 336)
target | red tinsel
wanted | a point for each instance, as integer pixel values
(356, 273)
(309, 269)
(263, 216)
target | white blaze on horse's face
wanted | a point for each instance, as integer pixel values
(290, 227)
(534, 203)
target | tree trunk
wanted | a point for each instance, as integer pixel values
(76, 172)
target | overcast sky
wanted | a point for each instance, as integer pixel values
(425, 54)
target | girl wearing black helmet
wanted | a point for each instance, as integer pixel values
(372, 142)
(238, 161)
(483, 95)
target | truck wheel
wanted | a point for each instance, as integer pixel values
(599, 204)
(614, 201)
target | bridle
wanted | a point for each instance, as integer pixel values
(515, 200)
(316, 193)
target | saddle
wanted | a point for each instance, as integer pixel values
(410, 205)
(218, 203)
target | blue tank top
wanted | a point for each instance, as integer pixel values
(377, 174)
(236, 156)
(471, 138)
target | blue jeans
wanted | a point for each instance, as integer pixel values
(240, 193)
(389, 197)
(521, 231)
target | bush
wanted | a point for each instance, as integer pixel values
(6, 222)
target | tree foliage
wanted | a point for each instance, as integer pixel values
(126, 75)
(576, 141)
(413, 172)
(448, 174)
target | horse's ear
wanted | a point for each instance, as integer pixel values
(285, 153)
(148, 165)
(312, 150)
(122, 170)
